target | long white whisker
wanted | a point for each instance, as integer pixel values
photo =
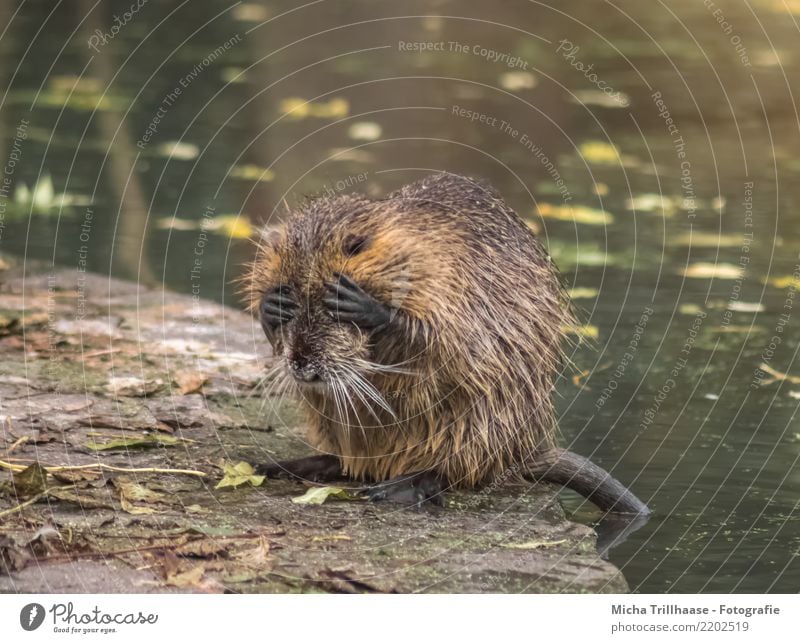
(360, 383)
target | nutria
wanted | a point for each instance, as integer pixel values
(423, 332)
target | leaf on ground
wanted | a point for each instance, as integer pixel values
(238, 474)
(133, 386)
(30, 481)
(575, 213)
(318, 495)
(12, 558)
(330, 538)
(536, 544)
(131, 493)
(256, 556)
(189, 381)
(176, 575)
(203, 548)
(144, 442)
(83, 497)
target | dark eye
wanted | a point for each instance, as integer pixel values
(354, 244)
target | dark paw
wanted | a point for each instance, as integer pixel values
(316, 468)
(414, 489)
(277, 307)
(348, 303)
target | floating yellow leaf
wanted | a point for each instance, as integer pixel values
(178, 150)
(599, 152)
(515, 80)
(706, 240)
(297, 108)
(236, 475)
(576, 213)
(351, 154)
(690, 309)
(664, 205)
(777, 376)
(233, 75)
(250, 12)
(365, 131)
(587, 331)
(600, 98)
(583, 293)
(174, 223)
(252, 173)
(789, 281)
(703, 270)
(746, 307)
(232, 225)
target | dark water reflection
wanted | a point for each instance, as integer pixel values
(668, 210)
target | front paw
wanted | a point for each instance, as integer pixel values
(347, 302)
(277, 307)
(414, 489)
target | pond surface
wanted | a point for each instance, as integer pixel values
(653, 146)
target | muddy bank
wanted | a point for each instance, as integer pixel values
(137, 401)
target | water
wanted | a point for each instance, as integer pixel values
(669, 132)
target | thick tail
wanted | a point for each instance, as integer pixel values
(592, 482)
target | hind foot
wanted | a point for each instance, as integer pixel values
(315, 468)
(413, 489)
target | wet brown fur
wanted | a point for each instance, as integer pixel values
(480, 316)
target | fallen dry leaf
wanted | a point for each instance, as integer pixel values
(131, 493)
(236, 475)
(145, 442)
(318, 495)
(30, 481)
(256, 556)
(189, 381)
(536, 544)
(133, 386)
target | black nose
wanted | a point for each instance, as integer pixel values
(303, 370)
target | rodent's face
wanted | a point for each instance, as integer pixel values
(292, 283)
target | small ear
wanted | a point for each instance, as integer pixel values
(354, 244)
(270, 237)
